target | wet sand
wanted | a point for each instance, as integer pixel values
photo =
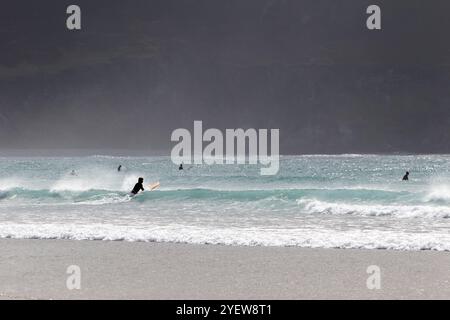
(37, 269)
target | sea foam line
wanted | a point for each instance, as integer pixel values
(308, 238)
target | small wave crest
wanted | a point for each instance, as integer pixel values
(314, 206)
(79, 191)
(439, 193)
(317, 238)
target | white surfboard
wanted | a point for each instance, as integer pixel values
(154, 186)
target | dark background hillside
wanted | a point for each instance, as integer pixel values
(140, 69)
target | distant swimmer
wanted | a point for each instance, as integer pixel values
(119, 168)
(138, 187)
(406, 176)
(180, 167)
(73, 173)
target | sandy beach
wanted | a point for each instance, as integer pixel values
(36, 269)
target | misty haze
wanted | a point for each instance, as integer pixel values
(137, 71)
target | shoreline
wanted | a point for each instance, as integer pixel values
(37, 269)
(195, 244)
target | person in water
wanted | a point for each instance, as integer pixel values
(73, 173)
(406, 176)
(119, 168)
(180, 167)
(138, 187)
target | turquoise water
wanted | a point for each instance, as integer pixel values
(346, 201)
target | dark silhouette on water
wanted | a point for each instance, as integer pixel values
(180, 167)
(119, 168)
(406, 176)
(138, 186)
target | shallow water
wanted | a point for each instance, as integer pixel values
(346, 201)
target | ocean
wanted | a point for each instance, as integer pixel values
(316, 201)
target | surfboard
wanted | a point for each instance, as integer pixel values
(153, 186)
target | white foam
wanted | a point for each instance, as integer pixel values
(438, 193)
(110, 198)
(16, 182)
(313, 206)
(317, 238)
(95, 179)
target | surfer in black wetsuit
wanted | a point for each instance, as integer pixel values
(138, 187)
(406, 176)
(119, 168)
(180, 167)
